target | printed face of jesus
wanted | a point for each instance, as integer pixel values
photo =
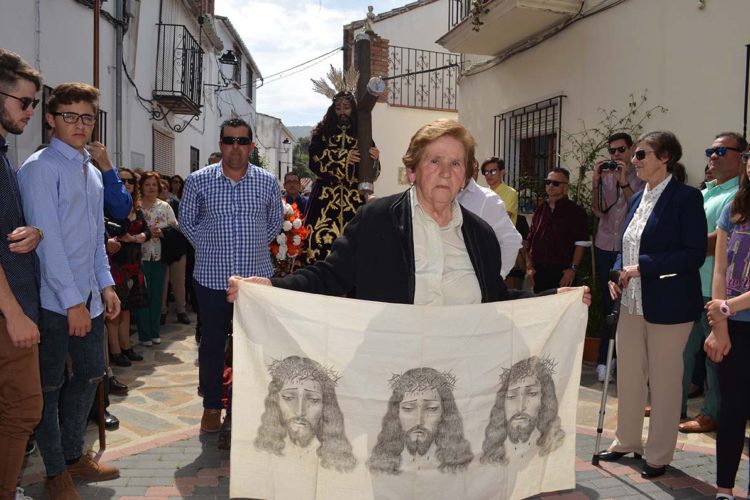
(522, 404)
(301, 404)
(420, 413)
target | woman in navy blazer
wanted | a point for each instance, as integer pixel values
(664, 245)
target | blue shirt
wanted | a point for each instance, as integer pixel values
(117, 200)
(21, 269)
(230, 224)
(63, 194)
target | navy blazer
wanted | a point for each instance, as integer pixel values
(673, 248)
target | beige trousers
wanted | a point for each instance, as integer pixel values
(649, 357)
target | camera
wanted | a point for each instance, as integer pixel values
(609, 165)
(114, 229)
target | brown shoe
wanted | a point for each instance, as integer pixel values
(89, 469)
(647, 411)
(211, 421)
(61, 488)
(701, 423)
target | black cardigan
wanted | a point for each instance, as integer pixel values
(374, 257)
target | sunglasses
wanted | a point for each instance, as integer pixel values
(490, 171)
(72, 118)
(620, 149)
(744, 157)
(641, 154)
(720, 151)
(229, 140)
(554, 183)
(25, 101)
(128, 181)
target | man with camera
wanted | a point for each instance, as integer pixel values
(614, 182)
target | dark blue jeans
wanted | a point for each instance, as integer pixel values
(605, 259)
(216, 324)
(60, 442)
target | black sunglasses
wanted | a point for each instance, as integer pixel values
(489, 171)
(640, 154)
(25, 101)
(229, 140)
(720, 151)
(620, 149)
(129, 181)
(554, 183)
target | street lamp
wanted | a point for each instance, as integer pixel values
(285, 144)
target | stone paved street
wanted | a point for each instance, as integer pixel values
(162, 455)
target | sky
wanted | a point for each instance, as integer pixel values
(281, 34)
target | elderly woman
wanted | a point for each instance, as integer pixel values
(417, 247)
(663, 247)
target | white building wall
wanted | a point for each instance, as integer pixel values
(431, 20)
(691, 61)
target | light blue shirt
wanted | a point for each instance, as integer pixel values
(63, 195)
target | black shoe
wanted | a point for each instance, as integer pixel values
(614, 456)
(225, 433)
(163, 319)
(116, 387)
(649, 472)
(132, 355)
(111, 423)
(183, 318)
(120, 359)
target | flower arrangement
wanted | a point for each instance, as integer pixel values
(288, 244)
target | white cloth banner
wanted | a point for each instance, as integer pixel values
(345, 399)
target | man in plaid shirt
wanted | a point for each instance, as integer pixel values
(230, 212)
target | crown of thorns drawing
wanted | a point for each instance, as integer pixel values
(296, 369)
(422, 380)
(529, 367)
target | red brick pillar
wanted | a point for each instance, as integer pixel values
(379, 59)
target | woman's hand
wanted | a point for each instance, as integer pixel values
(628, 273)
(614, 290)
(155, 232)
(586, 292)
(714, 313)
(717, 344)
(374, 153)
(234, 285)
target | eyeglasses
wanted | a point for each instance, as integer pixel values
(744, 157)
(129, 181)
(229, 140)
(490, 171)
(620, 149)
(554, 183)
(640, 154)
(720, 151)
(25, 101)
(71, 118)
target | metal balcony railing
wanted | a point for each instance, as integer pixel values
(422, 78)
(458, 10)
(179, 70)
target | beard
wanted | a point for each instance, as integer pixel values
(343, 120)
(300, 431)
(521, 430)
(422, 443)
(8, 124)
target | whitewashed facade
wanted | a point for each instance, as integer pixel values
(276, 144)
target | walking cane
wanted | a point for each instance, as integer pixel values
(611, 321)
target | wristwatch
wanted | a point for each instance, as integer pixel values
(725, 310)
(574, 267)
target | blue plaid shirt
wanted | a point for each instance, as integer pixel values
(230, 224)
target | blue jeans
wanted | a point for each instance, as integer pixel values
(59, 442)
(605, 259)
(216, 323)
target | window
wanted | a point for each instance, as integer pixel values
(195, 156)
(102, 124)
(249, 83)
(528, 139)
(163, 161)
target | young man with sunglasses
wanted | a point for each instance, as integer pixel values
(558, 236)
(21, 394)
(726, 165)
(614, 182)
(229, 212)
(493, 170)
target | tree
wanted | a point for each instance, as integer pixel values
(301, 159)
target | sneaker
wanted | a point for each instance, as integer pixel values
(132, 355)
(89, 469)
(211, 421)
(21, 496)
(156, 340)
(61, 487)
(120, 359)
(146, 343)
(601, 372)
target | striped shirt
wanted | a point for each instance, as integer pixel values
(230, 224)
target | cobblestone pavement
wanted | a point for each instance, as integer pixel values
(162, 455)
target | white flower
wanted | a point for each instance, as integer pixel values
(281, 240)
(286, 226)
(281, 255)
(296, 240)
(297, 224)
(288, 210)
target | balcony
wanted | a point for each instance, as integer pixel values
(496, 25)
(422, 78)
(179, 66)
